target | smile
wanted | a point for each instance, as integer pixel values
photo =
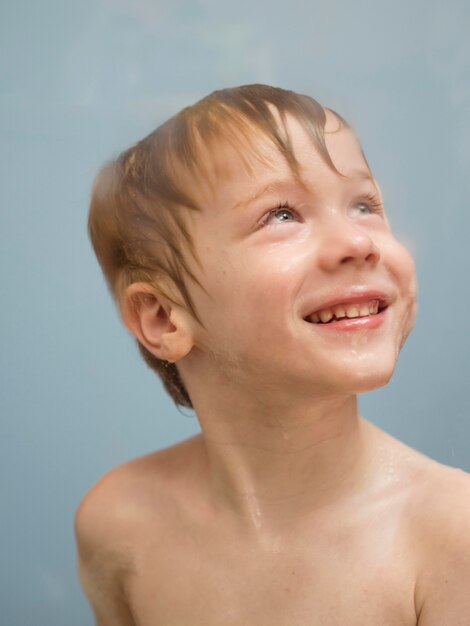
(350, 316)
(349, 310)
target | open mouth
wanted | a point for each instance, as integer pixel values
(344, 313)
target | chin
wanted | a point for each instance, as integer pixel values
(371, 385)
(372, 375)
(370, 371)
(369, 381)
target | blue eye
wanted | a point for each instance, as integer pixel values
(364, 204)
(373, 205)
(370, 205)
(282, 209)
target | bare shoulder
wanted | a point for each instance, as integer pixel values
(439, 495)
(436, 515)
(431, 483)
(108, 526)
(442, 510)
(119, 498)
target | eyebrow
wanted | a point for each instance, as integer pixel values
(271, 187)
(277, 185)
(359, 174)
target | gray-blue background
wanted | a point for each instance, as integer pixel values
(82, 79)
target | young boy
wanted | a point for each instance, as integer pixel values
(246, 245)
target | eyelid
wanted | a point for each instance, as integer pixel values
(282, 205)
(373, 200)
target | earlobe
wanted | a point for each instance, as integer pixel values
(155, 322)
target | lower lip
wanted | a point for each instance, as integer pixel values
(354, 323)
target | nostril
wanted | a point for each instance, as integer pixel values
(373, 257)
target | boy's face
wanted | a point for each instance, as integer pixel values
(266, 278)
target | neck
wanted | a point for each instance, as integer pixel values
(271, 465)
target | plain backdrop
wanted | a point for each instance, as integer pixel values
(83, 79)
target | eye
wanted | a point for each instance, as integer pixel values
(372, 204)
(283, 209)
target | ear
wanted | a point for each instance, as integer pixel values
(158, 324)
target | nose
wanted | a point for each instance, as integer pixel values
(347, 243)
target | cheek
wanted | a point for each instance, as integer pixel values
(270, 282)
(403, 269)
(257, 296)
(407, 272)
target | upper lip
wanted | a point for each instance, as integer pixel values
(356, 294)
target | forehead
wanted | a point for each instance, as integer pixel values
(244, 163)
(341, 142)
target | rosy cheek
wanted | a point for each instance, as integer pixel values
(408, 268)
(403, 268)
(399, 259)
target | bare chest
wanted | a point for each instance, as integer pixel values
(335, 579)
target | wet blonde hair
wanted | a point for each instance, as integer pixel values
(136, 220)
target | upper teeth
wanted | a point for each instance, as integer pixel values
(346, 310)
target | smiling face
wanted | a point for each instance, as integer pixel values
(274, 251)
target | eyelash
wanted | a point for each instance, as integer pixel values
(369, 199)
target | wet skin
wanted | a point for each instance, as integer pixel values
(289, 508)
